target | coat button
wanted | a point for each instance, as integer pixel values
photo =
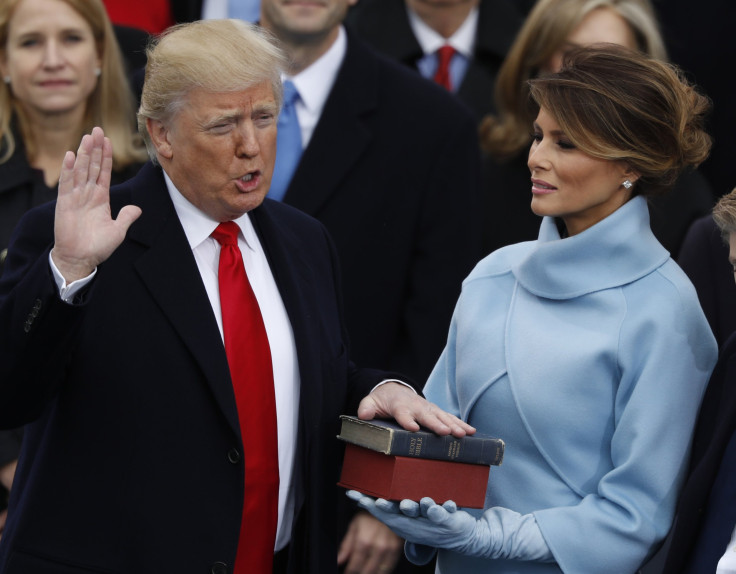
(233, 455)
(219, 568)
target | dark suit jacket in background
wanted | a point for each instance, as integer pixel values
(385, 25)
(699, 37)
(392, 170)
(186, 10)
(704, 257)
(131, 460)
(716, 424)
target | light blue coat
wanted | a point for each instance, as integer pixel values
(588, 355)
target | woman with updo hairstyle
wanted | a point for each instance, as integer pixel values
(586, 350)
(552, 28)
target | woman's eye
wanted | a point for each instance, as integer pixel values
(536, 136)
(564, 144)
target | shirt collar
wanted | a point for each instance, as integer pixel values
(463, 40)
(198, 226)
(315, 82)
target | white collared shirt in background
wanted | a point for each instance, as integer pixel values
(463, 40)
(314, 85)
(216, 9)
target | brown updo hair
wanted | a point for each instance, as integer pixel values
(621, 105)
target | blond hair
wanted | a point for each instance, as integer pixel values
(213, 55)
(544, 32)
(111, 104)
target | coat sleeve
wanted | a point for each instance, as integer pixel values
(665, 360)
(36, 327)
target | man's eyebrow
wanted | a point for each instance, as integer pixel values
(269, 107)
(227, 117)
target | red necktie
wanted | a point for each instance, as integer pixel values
(442, 77)
(249, 357)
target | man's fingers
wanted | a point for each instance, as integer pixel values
(81, 165)
(346, 546)
(105, 176)
(127, 216)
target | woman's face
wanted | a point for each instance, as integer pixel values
(570, 184)
(600, 25)
(50, 58)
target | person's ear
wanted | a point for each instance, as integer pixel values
(159, 134)
(629, 176)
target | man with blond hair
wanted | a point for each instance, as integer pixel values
(161, 436)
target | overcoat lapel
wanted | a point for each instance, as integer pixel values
(295, 282)
(170, 273)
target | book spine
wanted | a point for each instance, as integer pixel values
(428, 445)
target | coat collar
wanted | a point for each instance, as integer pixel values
(168, 264)
(616, 251)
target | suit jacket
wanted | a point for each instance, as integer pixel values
(385, 25)
(704, 257)
(716, 424)
(131, 459)
(186, 10)
(392, 170)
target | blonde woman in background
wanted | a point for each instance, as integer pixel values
(62, 75)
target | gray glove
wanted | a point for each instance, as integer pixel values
(498, 533)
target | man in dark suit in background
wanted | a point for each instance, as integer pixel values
(703, 537)
(138, 456)
(413, 32)
(390, 165)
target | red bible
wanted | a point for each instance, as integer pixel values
(399, 477)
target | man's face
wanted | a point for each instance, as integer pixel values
(303, 19)
(220, 148)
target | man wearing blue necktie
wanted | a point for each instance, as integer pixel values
(390, 165)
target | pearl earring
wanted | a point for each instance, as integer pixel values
(627, 184)
(6, 79)
(98, 72)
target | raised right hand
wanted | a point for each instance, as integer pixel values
(85, 234)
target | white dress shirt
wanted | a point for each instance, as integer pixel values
(463, 40)
(314, 85)
(219, 9)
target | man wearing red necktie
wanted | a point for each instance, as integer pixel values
(176, 347)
